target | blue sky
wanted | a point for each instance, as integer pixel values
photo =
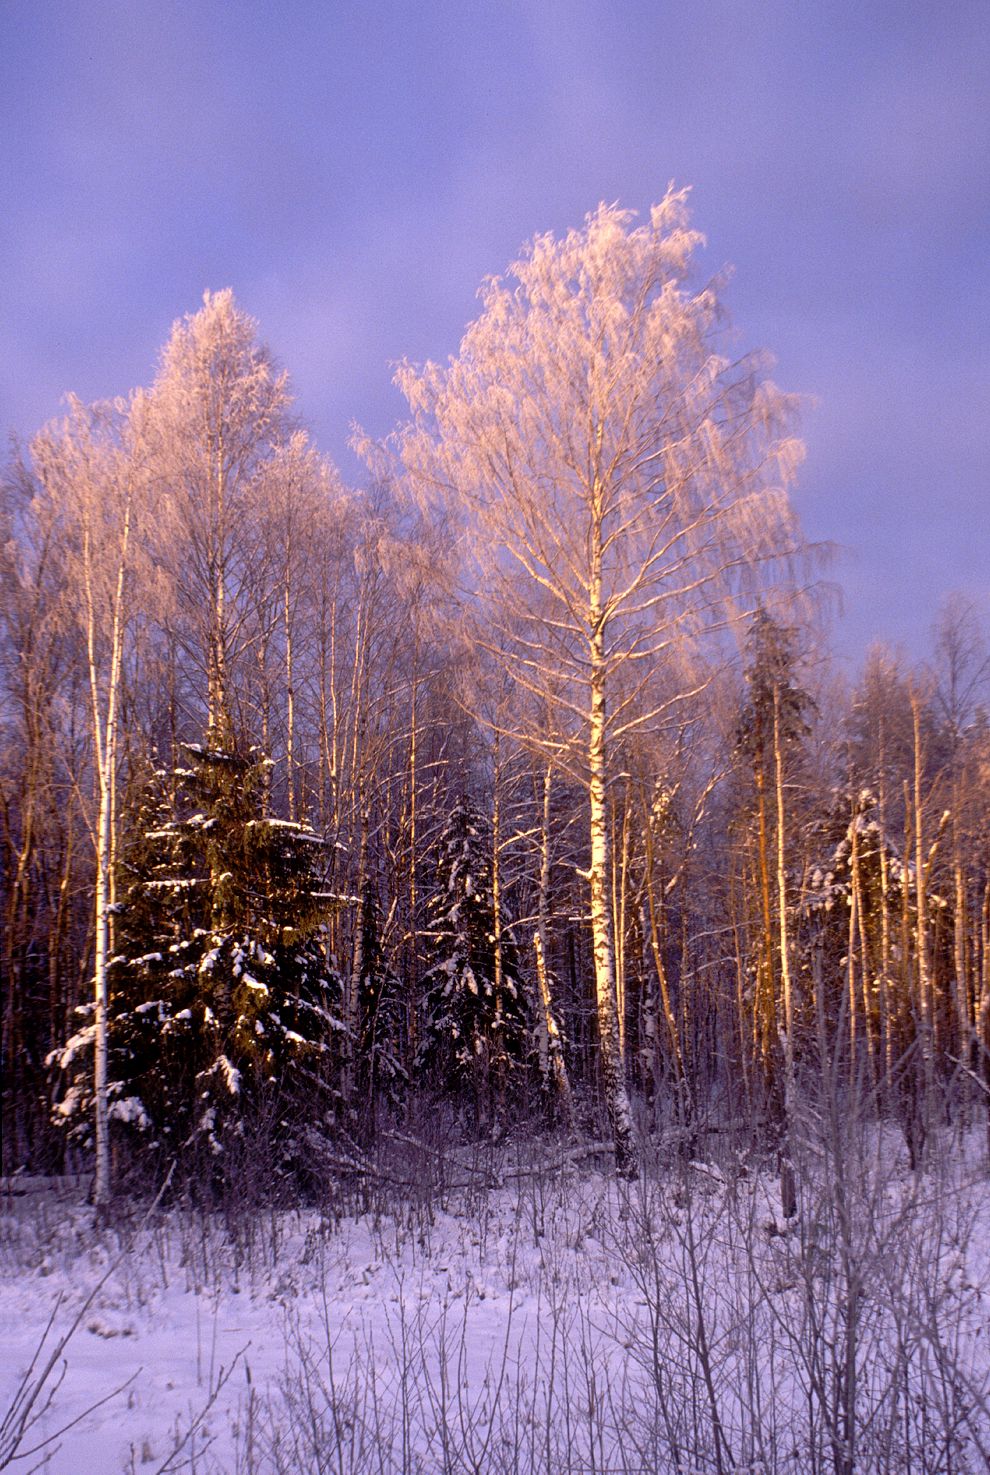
(353, 170)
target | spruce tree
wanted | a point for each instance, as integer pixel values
(381, 1018)
(224, 1001)
(474, 1029)
(775, 712)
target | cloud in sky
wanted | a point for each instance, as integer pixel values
(354, 170)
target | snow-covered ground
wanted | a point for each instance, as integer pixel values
(556, 1322)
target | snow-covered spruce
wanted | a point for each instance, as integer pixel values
(474, 1028)
(224, 1001)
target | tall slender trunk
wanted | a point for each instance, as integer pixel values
(498, 1031)
(290, 697)
(745, 1055)
(328, 709)
(553, 1068)
(620, 898)
(217, 724)
(788, 1192)
(964, 1011)
(58, 994)
(100, 996)
(983, 1004)
(921, 898)
(851, 1003)
(266, 722)
(603, 944)
(656, 950)
(357, 957)
(105, 755)
(412, 992)
(766, 991)
(885, 1004)
(914, 1022)
(866, 979)
(17, 914)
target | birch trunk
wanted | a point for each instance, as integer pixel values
(553, 1068)
(412, 993)
(497, 1061)
(865, 968)
(885, 1007)
(290, 697)
(921, 897)
(766, 1008)
(788, 1193)
(851, 941)
(606, 999)
(358, 959)
(105, 755)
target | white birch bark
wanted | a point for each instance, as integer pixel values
(88, 469)
(606, 998)
(787, 1184)
(553, 1067)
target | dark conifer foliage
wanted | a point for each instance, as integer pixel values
(772, 685)
(474, 1020)
(225, 1003)
(381, 1044)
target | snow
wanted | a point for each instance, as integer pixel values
(185, 883)
(229, 1073)
(81, 1040)
(129, 1109)
(69, 1104)
(293, 827)
(470, 1324)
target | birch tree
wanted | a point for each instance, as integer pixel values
(299, 498)
(91, 474)
(218, 410)
(616, 477)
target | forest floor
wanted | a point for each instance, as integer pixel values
(555, 1321)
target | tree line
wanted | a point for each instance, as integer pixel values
(518, 780)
